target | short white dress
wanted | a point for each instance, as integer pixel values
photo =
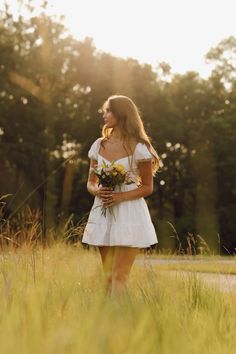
(130, 223)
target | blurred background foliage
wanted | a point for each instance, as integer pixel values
(51, 89)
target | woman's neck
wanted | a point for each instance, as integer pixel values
(116, 134)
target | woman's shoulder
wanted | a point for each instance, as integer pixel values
(93, 151)
(98, 140)
(142, 152)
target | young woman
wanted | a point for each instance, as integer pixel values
(120, 234)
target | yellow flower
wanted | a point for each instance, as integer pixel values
(114, 173)
(120, 168)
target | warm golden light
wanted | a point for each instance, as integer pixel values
(178, 32)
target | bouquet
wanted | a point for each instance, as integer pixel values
(112, 175)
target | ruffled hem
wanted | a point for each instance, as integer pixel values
(111, 245)
(133, 235)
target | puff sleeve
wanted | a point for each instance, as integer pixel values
(93, 151)
(142, 153)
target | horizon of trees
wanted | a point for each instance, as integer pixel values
(51, 89)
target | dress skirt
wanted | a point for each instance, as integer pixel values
(129, 224)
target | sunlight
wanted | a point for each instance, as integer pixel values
(178, 32)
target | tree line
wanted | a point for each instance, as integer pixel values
(51, 88)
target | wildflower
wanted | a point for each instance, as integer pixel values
(112, 175)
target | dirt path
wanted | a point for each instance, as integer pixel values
(225, 282)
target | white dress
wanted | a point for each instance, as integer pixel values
(130, 223)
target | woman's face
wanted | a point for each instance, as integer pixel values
(109, 118)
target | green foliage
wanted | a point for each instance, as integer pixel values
(51, 88)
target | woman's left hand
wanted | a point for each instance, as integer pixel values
(113, 198)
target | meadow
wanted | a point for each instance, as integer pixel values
(53, 301)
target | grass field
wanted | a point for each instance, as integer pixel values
(52, 301)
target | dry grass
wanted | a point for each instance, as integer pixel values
(53, 301)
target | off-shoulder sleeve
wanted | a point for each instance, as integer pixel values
(142, 153)
(93, 151)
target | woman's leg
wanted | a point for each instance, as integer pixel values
(122, 262)
(107, 255)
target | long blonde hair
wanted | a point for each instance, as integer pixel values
(130, 124)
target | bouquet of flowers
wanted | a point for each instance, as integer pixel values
(112, 175)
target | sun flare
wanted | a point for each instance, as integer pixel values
(177, 32)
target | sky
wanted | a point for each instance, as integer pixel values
(179, 32)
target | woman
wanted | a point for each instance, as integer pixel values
(120, 234)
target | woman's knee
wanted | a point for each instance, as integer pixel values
(119, 274)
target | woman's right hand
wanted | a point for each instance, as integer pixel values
(103, 193)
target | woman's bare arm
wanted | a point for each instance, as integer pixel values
(146, 188)
(92, 183)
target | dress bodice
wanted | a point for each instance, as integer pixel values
(130, 163)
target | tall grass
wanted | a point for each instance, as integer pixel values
(53, 301)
